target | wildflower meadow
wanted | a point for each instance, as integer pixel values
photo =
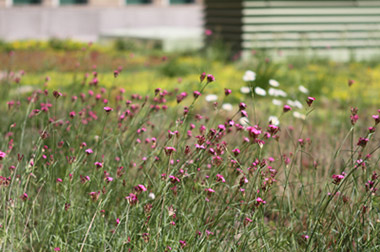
(187, 153)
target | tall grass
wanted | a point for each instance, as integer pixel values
(86, 168)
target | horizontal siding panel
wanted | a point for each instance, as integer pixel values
(312, 36)
(286, 24)
(310, 19)
(308, 11)
(309, 3)
(311, 27)
(312, 44)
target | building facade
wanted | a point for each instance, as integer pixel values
(87, 20)
(108, 3)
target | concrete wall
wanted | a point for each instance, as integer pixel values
(86, 23)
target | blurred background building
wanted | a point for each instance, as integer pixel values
(90, 20)
(337, 28)
(341, 27)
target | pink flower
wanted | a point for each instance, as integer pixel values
(210, 78)
(173, 179)
(220, 178)
(247, 221)
(117, 221)
(236, 151)
(59, 180)
(98, 165)
(227, 91)
(221, 127)
(338, 177)
(89, 151)
(203, 76)
(169, 150)
(57, 94)
(132, 199)
(2, 155)
(242, 106)
(260, 201)
(57, 249)
(287, 108)
(115, 73)
(182, 243)
(108, 109)
(362, 141)
(140, 188)
(376, 118)
(244, 113)
(208, 32)
(196, 94)
(305, 237)
(310, 100)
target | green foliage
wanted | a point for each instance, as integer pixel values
(162, 174)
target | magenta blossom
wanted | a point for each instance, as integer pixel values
(108, 109)
(287, 108)
(2, 155)
(362, 141)
(260, 201)
(310, 100)
(338, 178)
(227, 91)
(203, 76)
(196, 94)
(169, 150)
(98, 165)
(376, 118)
(132, 199)
(140, 188)
(89, 151)
(220, 178)
(210, 78)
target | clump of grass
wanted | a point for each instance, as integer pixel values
(94, 168)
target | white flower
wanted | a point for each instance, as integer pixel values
(211, 97)
(245, 90)
(295, 103)
(260, 91)
(298, 104)
(277, 102)
(249, 76)
(276, 92)
(274, 83)
(227, 106)
(303, 89)
(244, 121)
(274, 120)
(151, 195)
(299, 115)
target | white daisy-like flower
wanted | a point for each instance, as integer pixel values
(151, 195)
(274, 83)
(211, 98)
(276, 92)
(260, 91)
(277, 102)
(227, 107)
(295, 103)
(249, 76)
(298, 104)
(303, 89)
(299, 115)
(244, 121)
(274, 120)
(245, 90)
